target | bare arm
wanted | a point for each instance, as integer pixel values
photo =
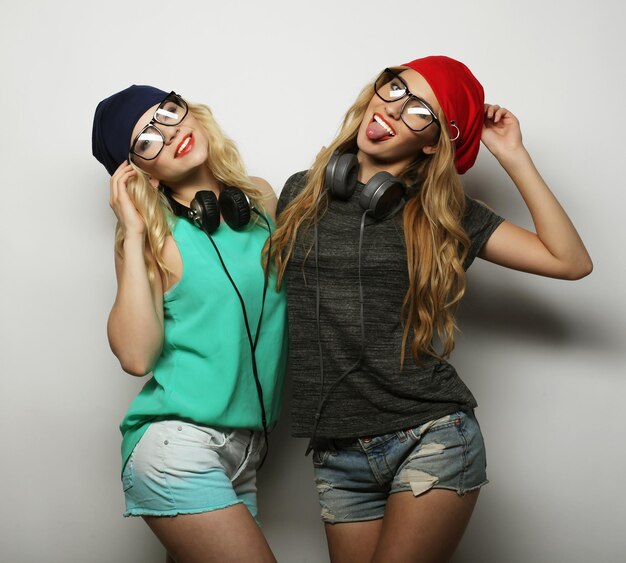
(135, 327)
(555, 250)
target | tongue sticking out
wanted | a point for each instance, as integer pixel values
(376, 131)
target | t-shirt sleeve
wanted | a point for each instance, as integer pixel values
(293, 186)
(479, 223)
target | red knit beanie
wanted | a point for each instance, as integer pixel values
(461, 98)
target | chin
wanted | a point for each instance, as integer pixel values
(194, 159)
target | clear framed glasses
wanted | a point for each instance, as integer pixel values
(149, 142)
(416, 113)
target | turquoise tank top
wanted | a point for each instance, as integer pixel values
(204, 374)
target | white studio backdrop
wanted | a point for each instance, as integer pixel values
(544, 358)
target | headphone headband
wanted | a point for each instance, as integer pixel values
(384, 194)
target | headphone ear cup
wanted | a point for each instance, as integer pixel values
(382, 195)
(207, 209)
(235, 207)
(341, 175)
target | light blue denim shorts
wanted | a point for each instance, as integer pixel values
(355, 477)
(182, 468)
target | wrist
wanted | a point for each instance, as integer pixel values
(134, 237)
(513, 157)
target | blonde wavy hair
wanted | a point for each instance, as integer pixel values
(226, 165)
(435, 240)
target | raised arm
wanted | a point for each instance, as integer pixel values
(135, 327)
(555, 249)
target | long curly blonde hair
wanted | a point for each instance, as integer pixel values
(226, 165)
(435, 240)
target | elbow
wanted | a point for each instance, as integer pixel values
(135, 364)
(136, 356)
(587, 269)
(135, 368)
(580, 269)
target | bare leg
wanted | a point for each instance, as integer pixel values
(423, 529)
(353, 542)
(228, 535)
(169, 559)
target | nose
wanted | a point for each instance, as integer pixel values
(170, 134)
(394, 109)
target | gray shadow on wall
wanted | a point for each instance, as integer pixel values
(508, 312)
(505, 306)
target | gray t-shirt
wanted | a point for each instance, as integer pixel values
(377, 396)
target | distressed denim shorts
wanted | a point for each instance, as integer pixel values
(355, 477)
(182, 468)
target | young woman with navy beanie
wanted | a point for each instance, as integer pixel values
(197, 307)
(373, 243)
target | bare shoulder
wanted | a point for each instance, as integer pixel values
(269, 195)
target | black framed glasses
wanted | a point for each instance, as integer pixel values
(415, 112)
(150, 141)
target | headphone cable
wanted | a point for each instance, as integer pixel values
(325, 396)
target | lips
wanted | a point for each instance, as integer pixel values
(185, 146)
(379, 129)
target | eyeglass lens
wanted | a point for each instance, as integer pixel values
(150, 140)
(415, 114)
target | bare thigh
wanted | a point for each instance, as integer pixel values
(423, 529)
(227, 535)
(353, 542)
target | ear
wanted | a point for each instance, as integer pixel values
(429, 149)
(154, 182)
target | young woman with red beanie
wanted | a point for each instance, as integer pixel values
(373, 243)
(194, 308)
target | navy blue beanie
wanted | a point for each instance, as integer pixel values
(115, 119)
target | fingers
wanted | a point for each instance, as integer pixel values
(123, 172)
(124, 209)
(501, 130)
(118, 183)
(495, 113)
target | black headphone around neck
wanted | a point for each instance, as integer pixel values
(205, 208)
(383, 194)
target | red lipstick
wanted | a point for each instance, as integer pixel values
(185, 146)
